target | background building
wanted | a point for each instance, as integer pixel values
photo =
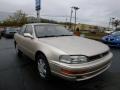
(87, 27)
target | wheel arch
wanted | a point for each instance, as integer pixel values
(15, 43)
(38, 53)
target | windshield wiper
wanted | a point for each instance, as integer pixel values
(54, 36)
(64, 35)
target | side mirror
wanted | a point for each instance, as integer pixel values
(28, 35)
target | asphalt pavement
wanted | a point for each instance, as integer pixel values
(20, 74)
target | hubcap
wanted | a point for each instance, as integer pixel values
(42, 68)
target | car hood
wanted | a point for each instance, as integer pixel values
(112, 37)
(74, 45)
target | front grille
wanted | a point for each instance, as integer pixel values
(12, 32)
(112, 43)
(111, 39)
(92, 58)
(107, 39)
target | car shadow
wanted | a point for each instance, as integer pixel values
(32, 79)
(114, 48)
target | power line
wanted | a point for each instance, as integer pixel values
(57, 16)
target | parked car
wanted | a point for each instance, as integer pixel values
(117, 29)
(1, 31)
(0, 35)
(9, 32)
(113, 39)
(17, 29)
(57, 51)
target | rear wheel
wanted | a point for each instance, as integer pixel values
(43, 67)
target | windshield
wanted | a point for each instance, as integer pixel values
(117, 29)
(11, 30)
(116, 33)
(51, 31)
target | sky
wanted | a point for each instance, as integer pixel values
(97, 12)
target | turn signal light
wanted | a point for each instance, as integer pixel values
(70, 72)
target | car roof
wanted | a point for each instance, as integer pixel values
(41, 24)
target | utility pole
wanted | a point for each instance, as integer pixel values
(75, 8)
(110, 23)
(71, 17)
(38, 16)
(66, 22)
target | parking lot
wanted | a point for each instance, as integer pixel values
(20, 74)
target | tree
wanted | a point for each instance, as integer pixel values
(116, 23)
(96, 27)
(19, 18)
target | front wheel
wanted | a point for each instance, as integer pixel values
(43, 67)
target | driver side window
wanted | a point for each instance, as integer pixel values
(29, 29)
(22, 30)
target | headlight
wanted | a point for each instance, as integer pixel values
(73, 59)
(117, 39)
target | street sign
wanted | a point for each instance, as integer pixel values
(38, 5)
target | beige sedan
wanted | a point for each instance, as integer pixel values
(57, 51)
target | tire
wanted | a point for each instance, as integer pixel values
(6, 36)
(43, 67)
(19, 53)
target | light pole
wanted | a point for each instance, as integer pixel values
(38, 8)
(75, 8)
(38, 16)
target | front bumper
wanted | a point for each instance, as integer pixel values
(10, 35)
(82, 71)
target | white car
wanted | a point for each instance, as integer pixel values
(57, 51)
(109, 31)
